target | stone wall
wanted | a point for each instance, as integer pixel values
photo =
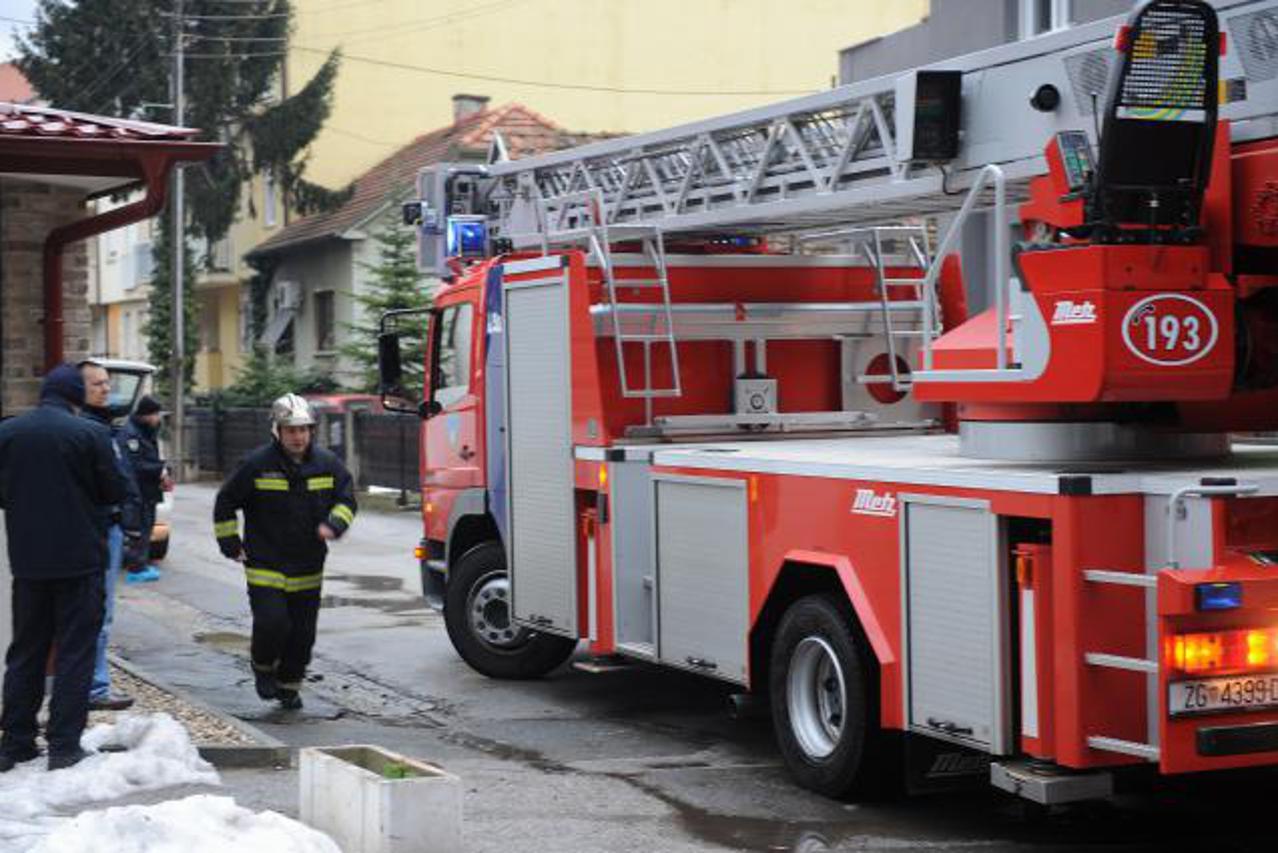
(29, 210)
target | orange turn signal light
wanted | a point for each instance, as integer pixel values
(1242, 650)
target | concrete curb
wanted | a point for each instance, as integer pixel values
(267, 752)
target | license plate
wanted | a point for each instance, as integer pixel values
(1223, 694)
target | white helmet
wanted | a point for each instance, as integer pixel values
(290, 410)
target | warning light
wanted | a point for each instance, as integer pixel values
(1242, 650)
(1218, 596)
(467, 237)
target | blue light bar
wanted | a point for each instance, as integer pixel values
(1218, 596)
(467, 237)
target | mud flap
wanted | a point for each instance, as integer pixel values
(937, 765)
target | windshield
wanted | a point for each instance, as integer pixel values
(124, 391)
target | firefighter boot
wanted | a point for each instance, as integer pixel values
(290, 699)
(264, 681)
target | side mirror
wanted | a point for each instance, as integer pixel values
(390, 376)
(429, 408)
(390, 372)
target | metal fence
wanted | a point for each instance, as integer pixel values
(383, 452)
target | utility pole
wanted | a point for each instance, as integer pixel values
(177, 369)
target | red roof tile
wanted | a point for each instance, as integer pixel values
(524, 131)
(33, 121)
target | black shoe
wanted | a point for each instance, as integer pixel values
(63, 760)
(111, 702)
(289, 699)
(11, 759)
(267, 687)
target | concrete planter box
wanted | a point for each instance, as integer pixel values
(374, 801)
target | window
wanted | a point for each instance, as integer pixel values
(324, 325)
(452, 359)
(210, 328)
(1042, 16)
(268, 199)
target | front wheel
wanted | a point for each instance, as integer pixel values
(822, 710)
(477, 615)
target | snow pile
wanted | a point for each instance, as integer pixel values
(159, 754)
(198, 824)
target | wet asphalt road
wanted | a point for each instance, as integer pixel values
(638, 760)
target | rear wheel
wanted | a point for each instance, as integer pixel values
(822, 710)
(477, 615)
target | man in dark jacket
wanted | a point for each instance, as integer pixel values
(139, 437)
(296, 498)
(123, 524)
(57, 472)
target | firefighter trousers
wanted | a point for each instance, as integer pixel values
(283, 632)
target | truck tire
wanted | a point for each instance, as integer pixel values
(477, 615)
(823, 711)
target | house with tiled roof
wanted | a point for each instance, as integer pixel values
(319, 262)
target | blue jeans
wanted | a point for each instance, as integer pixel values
(101, 688)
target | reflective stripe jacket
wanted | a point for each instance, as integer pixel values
(283, 504)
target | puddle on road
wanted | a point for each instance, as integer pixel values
(225, 640)
(370, 583)
(385, 605)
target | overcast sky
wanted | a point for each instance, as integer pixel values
(23, 10)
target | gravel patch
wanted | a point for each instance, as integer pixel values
(205, 729)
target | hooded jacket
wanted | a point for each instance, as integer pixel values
(58, 477)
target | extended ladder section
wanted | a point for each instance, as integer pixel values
(862, 154)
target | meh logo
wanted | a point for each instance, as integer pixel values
(1071, 313)
(869, 502)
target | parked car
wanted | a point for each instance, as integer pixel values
(333, 434)
(129, 381)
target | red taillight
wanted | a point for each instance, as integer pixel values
(1123, 39)
(1244, 650)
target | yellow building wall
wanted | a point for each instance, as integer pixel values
(219, 310)
(693, 58)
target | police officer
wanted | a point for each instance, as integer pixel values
(57, 473)
(295, 498)
(139, 437)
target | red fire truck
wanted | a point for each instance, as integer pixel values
(907, 406)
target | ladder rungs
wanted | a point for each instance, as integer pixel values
(638, 282)
(1147, 751)
(639, 339)
(881, 379)
(1121, 662)
(1121, 578)
(651, 393)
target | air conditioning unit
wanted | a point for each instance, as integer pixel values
(290, 295)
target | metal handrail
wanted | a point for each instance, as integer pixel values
(1177, 500)
(991, 173)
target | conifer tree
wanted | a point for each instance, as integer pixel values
(114, 57)
(395, 284)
